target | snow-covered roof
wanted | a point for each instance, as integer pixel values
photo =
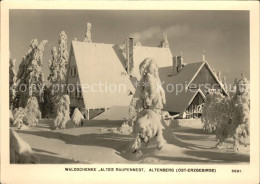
(181, 101)
(186, 74)
(216, 78)
(99, 63)
(162, 57)
(114, 113)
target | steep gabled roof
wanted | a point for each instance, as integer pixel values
(162, 57)
(186, 75)
(214, 75)
(177, 92)
(179, 102)
(98, 63)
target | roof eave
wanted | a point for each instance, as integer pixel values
(216, 78)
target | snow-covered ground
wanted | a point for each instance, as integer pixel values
(96, 143)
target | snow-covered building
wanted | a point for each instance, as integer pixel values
(186, 85)
(97, 67)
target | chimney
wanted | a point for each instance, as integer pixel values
(130, 55)
(179, 63)
(174, 65)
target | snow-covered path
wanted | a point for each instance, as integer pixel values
(184, 145)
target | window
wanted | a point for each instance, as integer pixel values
(73, 71)
(79, 92)
(70, 92)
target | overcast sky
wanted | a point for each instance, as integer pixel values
(223, 36)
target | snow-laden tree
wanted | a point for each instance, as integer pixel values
(77, 117)
(149, 92)
(59, 62)
(215, 110)
(48, 107)
(241, 120)
(53, 66)
(58, 68)
(207, 115)
(88, 33)
(164, 42)
(241, 110)
(30, 76)
(33, 107)
(29, 115)
(12, 84)
(63, 57)
(145, 108)
(63, 112)
(228, 116)
(243, 89)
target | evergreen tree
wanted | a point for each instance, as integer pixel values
(12, 84)
(228, 116)
(63, 112)
(58, 68)
(30, 76)
(47, 106)
(29, 115)
(164, 43)
(146, 106)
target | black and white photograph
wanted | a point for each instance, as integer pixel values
(155, 87)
